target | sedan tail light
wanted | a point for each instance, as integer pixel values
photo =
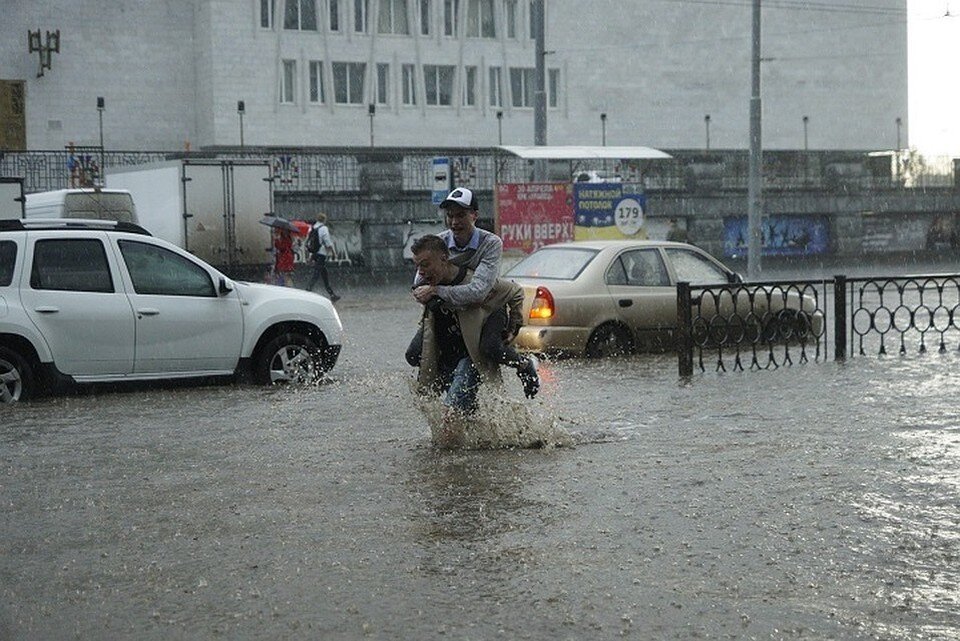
(543, 306)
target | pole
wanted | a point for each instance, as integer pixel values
(899, 123)
(372, 110)
(706, 122)
(101, 105)
(540, 94)
(754, 202)
(806, 120)
(603, 129)
(241, 108)
(500, 128)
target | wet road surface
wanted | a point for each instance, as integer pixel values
(816, 501)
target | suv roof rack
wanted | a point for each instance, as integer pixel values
(20, 224)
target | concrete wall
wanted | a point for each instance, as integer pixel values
(173, 70)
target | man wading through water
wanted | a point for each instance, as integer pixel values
(446, 348)
(480, 251)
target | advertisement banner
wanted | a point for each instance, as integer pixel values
(531, 215)
(608, 211)
(782, 236)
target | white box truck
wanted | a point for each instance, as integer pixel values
(89, 202)
(211, 208)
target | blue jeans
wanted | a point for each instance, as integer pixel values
(462, 394)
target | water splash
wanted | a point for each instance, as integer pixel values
(500, 423)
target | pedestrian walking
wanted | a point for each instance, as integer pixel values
(319, 243)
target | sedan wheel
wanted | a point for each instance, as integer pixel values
(608, 340)
(16, 377)
(290, 358)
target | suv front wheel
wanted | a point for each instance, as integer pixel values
(16, 377)
(291, 358)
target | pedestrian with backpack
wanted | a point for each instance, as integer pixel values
(319, 243)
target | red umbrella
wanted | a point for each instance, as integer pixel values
(303, 227)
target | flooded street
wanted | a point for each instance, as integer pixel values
(816, 501)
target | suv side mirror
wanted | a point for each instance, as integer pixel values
(735, 277)
(225, 287)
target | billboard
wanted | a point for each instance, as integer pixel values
(608, 211)
(782, 236)
(531, 215)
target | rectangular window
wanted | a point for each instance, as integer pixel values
(348, 82)
(469, 86)
(532, 21)
(361, 10)
(496, 87)
(288, 81)
(316, 81)
(438, 82)
(409, 85)
(77, 265)
(426, 15)
(334, 6)
(300, 15)
(383, 83)
(510, 11)
(451, 11)
(8, 256)
(480, 22)
(553, 87)
(266, 14)
(393, 17)
(522, 86)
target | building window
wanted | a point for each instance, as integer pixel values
(451, 10)
(480, 22)
(409, 85)
(266, 14)
(392, 17)
(426, 16)
(510, 11)
(334, 11)
(316, 81)
(533, 26)
(438, 81)
(553, 87)
(348, 82)
(288, 81)
(383, 83)
(469, 86)
(361, 14)
(496, 87)
(522, 86)
(300, 15)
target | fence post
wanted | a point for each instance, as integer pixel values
(684, 330)
(839, 317)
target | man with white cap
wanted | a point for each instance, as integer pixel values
(479, 250)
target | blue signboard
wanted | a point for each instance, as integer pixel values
(782, 236)
(606, 211)
(441, 179)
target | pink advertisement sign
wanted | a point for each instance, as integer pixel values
(531, 215)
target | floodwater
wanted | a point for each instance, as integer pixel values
(816, 501)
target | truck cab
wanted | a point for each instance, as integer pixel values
(89, 204)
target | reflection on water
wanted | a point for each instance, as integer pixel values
(816, 501)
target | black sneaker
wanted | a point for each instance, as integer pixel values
(529, 377)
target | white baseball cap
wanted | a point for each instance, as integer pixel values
(461, 197)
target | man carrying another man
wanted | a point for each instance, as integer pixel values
(479, 251)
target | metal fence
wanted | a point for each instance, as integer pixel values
(765, 325)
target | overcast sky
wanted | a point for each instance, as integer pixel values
(934, 63)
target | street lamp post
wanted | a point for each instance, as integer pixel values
(603, 129)
(806, 121)
(101, 105)
(706, 123)
(372, 110)
(500, 128)
(241, 109)
(898, 156)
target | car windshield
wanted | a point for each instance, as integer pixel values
(553, 262)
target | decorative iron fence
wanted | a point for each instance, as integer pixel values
(765, 325)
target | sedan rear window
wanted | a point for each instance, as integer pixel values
(560, 263)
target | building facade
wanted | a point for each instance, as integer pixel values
(447, 73)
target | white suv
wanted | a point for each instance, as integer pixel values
(101, 301)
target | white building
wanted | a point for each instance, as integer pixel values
(439, 72)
